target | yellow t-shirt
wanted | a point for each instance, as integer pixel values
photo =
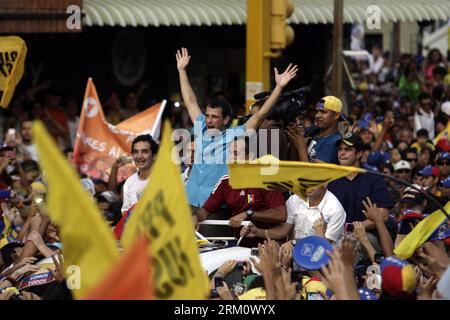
(254, 294)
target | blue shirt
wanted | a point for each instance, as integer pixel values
(210, 160)
(324, 148)
(352, 193)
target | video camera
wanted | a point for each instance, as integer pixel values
(290, 105)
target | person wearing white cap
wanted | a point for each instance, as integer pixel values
(402, 170)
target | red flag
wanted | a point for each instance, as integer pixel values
(130, 277)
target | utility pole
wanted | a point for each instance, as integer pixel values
(337, 48)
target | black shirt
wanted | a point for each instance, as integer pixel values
(351, 193)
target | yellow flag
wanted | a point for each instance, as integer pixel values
(420, 234)
(12, 59)
(88, 242)
(164, 214)
(270, 173)
(444, 134)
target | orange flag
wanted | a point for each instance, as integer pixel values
(130, 277)
(99, 144)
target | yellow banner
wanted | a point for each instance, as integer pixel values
(270, 173)
(164, 215)
(420, 234)
(12, 60)
(445, 134)
(88, 242)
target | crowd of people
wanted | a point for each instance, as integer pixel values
(395, 122)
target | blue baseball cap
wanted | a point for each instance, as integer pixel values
(363, 124)
(446, 182)
(443, 155)
(377, 158)
(366, 294)
(310, 253)
(430, 171)
(369, 167)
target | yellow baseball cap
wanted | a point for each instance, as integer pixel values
(331, 103)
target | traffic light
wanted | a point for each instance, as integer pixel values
(281, 34)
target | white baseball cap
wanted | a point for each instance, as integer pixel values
(402, 164)
(445, 107)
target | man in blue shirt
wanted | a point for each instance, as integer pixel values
(354, 188)
(318, 143)
(212, 135)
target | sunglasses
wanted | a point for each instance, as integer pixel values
(442, 163)
(411, 159)
(403, 171)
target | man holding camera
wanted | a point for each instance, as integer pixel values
(318, 143)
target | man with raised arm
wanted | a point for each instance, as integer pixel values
(212, 135)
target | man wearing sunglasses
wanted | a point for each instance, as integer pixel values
(443, 163)
(424, 117)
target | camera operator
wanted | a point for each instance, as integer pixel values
(318, 143)
(288, 109)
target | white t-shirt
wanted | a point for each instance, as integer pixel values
(32, 151)
(133, 189)
(303, 217)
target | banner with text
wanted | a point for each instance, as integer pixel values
(99, 143)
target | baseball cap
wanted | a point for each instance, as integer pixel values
(331, 103)
(352, 140)
(366, 294)
(446, 182)
(398, 277)
(430, 171)
(443, 144)
(377, 158)
(412, 197)
(363, 124)
(88, 185)
(443, 156)
(369, 167)
(310, 253)
(109, 196)
(445, 108)
(402, 165)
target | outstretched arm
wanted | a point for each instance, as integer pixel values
(189, 98)
(281, 81)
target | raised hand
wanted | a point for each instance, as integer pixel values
(58, 273)
(183, 58)
(372, 212)
(283, 79)
(286, 254)
(360, 232)
(319, 226)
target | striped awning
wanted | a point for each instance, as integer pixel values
(233, 12)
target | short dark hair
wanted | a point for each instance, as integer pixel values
(146, 138)
(222, 104)
(7, 252)
(424, 95)
(423, 133)
(30, 165)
